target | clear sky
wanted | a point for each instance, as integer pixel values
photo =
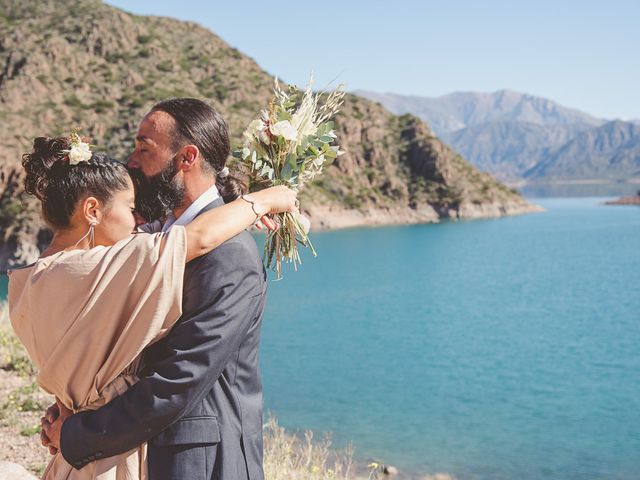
(583, 54)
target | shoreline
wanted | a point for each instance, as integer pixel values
(631, 200)
(592, 181)
(326, 218)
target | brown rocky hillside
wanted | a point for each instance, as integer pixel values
(81, 63)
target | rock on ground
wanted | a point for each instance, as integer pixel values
(13, 471)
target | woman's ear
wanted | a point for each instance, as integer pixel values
(188, 155)
(92, 210)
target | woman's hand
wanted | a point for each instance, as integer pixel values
(52, 426)
(278, 199)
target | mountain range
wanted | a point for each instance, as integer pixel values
(516, 136)
(82, 63)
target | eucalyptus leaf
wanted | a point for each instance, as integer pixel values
(284, 115)
(330, 153)
(322, 129)
(287, 170)
(265, 170)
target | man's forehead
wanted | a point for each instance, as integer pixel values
(153, 124)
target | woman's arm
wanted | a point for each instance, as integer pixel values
(209, 230)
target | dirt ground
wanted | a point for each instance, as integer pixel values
(21, 406)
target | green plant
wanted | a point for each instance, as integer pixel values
(102, 105)
(74, 101)
(115, 57)
(166, 66)
(30, 430)
(23, 399)
(143, 39)
(13, 357)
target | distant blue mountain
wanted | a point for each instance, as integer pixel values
(514, 135)
(610, 151)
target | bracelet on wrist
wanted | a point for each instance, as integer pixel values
(251, 200)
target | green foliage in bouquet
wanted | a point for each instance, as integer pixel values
(290, 144)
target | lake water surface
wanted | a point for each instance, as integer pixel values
(493, 349)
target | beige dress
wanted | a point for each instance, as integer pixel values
(85, 316)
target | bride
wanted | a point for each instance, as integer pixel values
(100, 294)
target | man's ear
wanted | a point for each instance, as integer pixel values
(92, 210)
(188, 155)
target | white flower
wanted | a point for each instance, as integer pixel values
(253, 130)
(256, 126)
(79, 152)
(284, 129)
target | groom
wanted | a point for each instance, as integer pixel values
(199, 399)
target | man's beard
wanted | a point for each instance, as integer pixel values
(157, 196)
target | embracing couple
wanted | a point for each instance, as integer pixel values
(148, 340)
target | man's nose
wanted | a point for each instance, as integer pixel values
(133, 162)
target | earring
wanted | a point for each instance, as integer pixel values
(90, 234)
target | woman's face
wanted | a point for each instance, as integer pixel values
(117, 221)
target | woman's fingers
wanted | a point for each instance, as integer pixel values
(64, 411)
(52, 413)
(269, 223)
(44, 440)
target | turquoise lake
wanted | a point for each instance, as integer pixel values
(490, 349)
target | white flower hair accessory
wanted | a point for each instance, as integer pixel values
(79, 151)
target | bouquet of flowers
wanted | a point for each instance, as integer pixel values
(289, 144)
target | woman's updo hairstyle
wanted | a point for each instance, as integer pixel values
(60, 185)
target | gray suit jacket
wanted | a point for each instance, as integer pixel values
(199, 400)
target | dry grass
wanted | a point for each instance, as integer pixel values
(288, 457)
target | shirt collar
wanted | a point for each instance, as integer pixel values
(193, 210)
